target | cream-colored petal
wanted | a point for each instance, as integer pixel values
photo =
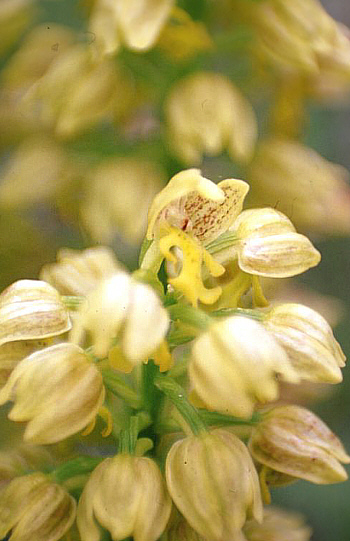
(277, 256)
(141, 21)
(180, 186)
(31, 309)
(146, 324)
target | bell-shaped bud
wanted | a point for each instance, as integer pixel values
(213, 482)
(308, 340)
(231, 372)
(194, 203)
(31, 310)
(76, 92)
(121, 306)
(34, 173)
(33, 507)
(294, 441)
(135, 23)
(17, 460)
(78, 272)
(293, 37)
(57, 390)
(207, 114)
(277, 525)
(112, 189)
(37, 51)
(307, 187)
(127, 496)
(269, 245)
(12, 353)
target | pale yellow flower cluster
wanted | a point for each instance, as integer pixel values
(68, 345)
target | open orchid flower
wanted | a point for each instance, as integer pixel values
(198, 227)
(186, 215)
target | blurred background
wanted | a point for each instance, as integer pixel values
(92, 128)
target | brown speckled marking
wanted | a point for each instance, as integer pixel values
(208, 218)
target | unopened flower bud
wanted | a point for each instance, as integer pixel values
(17, 460)
(121, 306)
(293, 37)
(12, 353)
(213, 482)
(78, 272)
(75, 92)
(231, 372)
(278, 525)
(33, 507)
(308, 340)
(112, 189)
(206, 113)
(269, 245)
(293, 440)
(34, 173)
(31, 310)
(306, 186)
(57, 390)
(127, 496)
(136, 24)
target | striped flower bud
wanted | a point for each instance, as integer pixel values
(308, 340)
(12, 353)
(269, 245)
(121, 307)
(31, 310)
(33, 507)
(17, 460)
(78, 272)
(127, 496)
(213, 482)
(57, 390)
(234, 365)
(294, 441)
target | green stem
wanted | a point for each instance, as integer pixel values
(77, 466)
(119, 387)
(176, 393)
(179, 369)
(128, 436)
(219, 419)
(177, 337)
(72, 302)
(227, 312)
(189, 315)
